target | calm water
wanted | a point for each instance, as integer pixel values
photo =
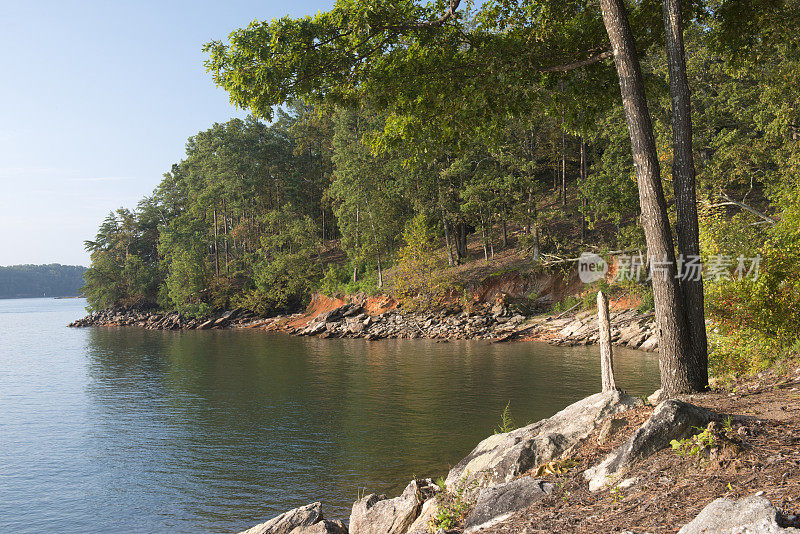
(214, 431)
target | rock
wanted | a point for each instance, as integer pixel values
(497, 503)
(326, 526)
(609, 429)
(726, 516)
(354, 326)
(650, 344)
(222, 321)
(350, 310)
(420, 524)
(656, 397)
(628, 483)
(206, 325)
(637, 340)
(375, 514)
(305, 516)
(502, 457)
(314, 329)
(671, 419)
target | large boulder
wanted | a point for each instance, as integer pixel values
(497, 503)
(502, 457)
(304, 516)
(726, 516)
(672, 419)
(375, 514)
(326, 526)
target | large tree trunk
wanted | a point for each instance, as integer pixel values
(584, 172)
(675, 360)
(686, 225)
(216, 251)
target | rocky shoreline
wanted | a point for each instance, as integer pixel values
(498, 323)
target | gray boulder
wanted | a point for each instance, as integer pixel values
(326, 526)
(375, 514)
(497, 503)
(305, 516)
(420, 524)
(748, 515)
(502, 457)
(672, 419)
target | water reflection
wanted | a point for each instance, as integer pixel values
(216, 430)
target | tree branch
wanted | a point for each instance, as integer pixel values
(594, 58)
(745, 207)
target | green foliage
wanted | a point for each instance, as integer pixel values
(698, 445)
(506, 421)
(453, 507)
(590, 295)
(338, 280)
(285, 269)
(757, 315)
(418, 282)
(565, 304)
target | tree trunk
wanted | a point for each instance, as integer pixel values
(450, 260)
(563, 163)
(461, 240)
(675, 359)
(505, 234)
(225, 232)
(584, 172)
(683, 173)
(485, 242)
(216, 251)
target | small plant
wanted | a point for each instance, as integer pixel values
(727, 424)
(697, 444)
(453, 506)
(506, 421)
(617, 494)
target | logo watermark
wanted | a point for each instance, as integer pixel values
(592, 267)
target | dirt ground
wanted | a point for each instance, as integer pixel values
(762, 457)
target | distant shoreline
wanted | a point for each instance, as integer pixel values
(43, 297)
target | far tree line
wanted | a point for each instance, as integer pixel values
(53, 280)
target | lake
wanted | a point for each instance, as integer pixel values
(214, 431)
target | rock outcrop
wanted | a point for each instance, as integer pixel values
(289, 522)
(672, 419)
(497, 503)
(375, 514)
(747, 515)
(502, 457)
(326, 526)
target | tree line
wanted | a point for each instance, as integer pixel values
(54, 280)
(559, 120)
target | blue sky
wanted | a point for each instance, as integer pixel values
(96, 102)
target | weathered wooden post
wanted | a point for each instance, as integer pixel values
(606, 354)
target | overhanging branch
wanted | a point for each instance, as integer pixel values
(593, 58)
